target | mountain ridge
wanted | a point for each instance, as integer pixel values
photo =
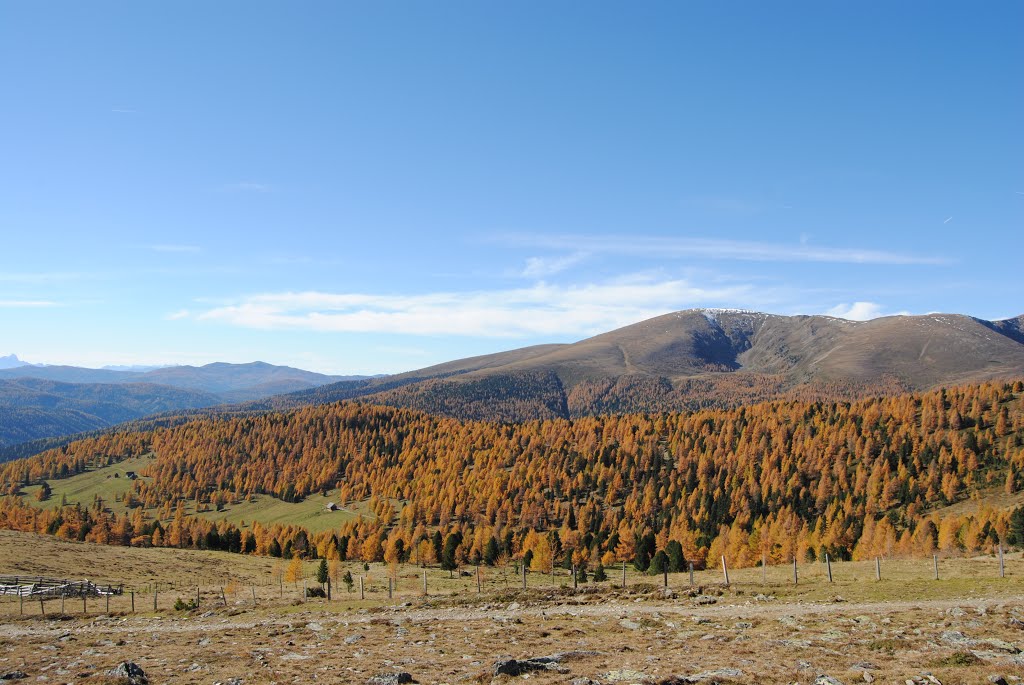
(703, 357)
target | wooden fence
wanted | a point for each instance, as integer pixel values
(33, 586)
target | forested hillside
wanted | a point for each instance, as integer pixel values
(782, 479)
(34, 408)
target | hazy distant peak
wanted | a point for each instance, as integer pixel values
(11, 361)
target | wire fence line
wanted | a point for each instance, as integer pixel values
(383, 584)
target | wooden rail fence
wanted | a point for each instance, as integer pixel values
(34, 586)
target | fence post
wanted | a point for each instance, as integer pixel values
(21, 601)
(328, 588)
(303, 590)
(828, 565)
(524, 576)
(725, 571)
(623, 574)
(935, 560)
(197, 596)
(85, 608)
(62, 600)
(575, 580)
(478, 588)
(1002, 569)
(665, 573)
(42, 609)
(223, 597)
(691, 574)
(253, 588)
(133, 604)
(795, 577)
(389, 588)
(362, 594)
(424, 582)
(108, 600)
(156, 591)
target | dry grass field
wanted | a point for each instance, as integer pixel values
(963, 628)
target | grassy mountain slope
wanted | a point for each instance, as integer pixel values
(702, 358)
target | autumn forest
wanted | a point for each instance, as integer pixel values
(775, 481)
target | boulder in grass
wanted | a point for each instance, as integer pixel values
(399, 678)
(129, 673)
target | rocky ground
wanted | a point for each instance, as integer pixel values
(638, 635)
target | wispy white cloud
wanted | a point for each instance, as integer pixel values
(180, 314)
(27, 303)
(713, 248)
(174, 248)
(118, 110)
(542, 309)
(861, 311)
(539, 267)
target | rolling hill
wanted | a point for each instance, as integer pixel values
(701, 358)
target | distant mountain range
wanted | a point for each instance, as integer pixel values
(45, 401)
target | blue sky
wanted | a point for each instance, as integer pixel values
(374, 187)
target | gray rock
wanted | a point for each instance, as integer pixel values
(130, 672)
(997, 680)
(13, 675)
(399, 678)
(743, 625)
(864, 666)
(714, 675)
(827, 680)
(704, 599)
(514, 667)
(955, 637)
(352, 639)
(1002, 646)
(624, 675)
(584, 681)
